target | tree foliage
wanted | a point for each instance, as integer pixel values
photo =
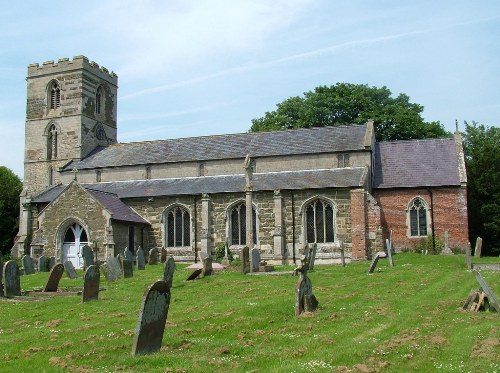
(10, 188)
(345, 104)
(482, 159)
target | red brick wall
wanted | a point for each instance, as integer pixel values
(450, 214)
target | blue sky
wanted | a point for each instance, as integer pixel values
(191, 68)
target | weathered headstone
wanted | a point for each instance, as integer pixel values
(115, 265)
(389, 252)
(43, 264)
(194, 274)
(468, 258)
(70, 270)
(52, 262)
(127, 254)
(1, 275)
(375, 259)
(152, 319)
(91, 280)
(255, 259)
(168, 271)
(88, 256)
(305, 301)
(479, 245)
(163, 255)
(245, 260)
(108, 272)
(28, 267)
(141, 261)
(11, 279)
(127, 268)
(446, 248)
(55, 276)
(207, 266)
(153, 256)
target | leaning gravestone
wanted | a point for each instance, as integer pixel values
(168, 271)
(255, 259)
(29, 269)
(127, 268)
(194, 274)
(88, 256)
(43, 264)
(70, 270)
(245, 260)
(141, 261)
(152, 319)
(115, 265)
(127, 254)
(375, 259)
(91, 280)
(153, 256)
(54, 278)
(108, 272)
(207, 266)
(11, 279)
(52, 262)
(305, 301)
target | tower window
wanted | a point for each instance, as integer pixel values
(55, 96)
(52, 142)
(99, 100)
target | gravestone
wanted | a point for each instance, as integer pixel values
(55, 276)
(11, 279)
(312, 257)
(1, 275)
(115, 265)
(446, 248)
(245, 260)
(52, 262)
(88, 256)
(375, 259)
(168, 271)
(70, 270)
(163, 256)
(225, 260)
(255, 259)
(468, 258)
(43, 264)
(207, 266)
(127, 268)
(389, 252)
(479, 245)
(91, 280)
(153, 256)
(152, 319)
(141, 261)
(28, 267)
(342, 254)
(127, 254)
(305, 301)
(108, 272)
(194, 274)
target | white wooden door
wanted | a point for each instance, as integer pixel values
(74, 239)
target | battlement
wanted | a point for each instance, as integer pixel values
(65, 65)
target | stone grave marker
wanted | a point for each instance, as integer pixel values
(28, 267)
(127, 254)
(1, 275)
(11, 279)
(389, 252)
(163, 256)
(375, 259)
(55, 276)
(479, 246)
(446, 248)
(91, 280)
(255, 259)
(468, 258)
(305, 301)
(43, 264)
(88, 256)
(153, 256)
(312, 257)
(108, 272)
(115, 265)
(168, 271)
(141, 261)
(207, 267)
(127, 268)
(225, 260)
(342, 253)
(194, 274)
(70, 270)
(245, 260)
(152, 319)
(52, 262)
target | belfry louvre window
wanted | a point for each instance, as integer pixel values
(178, 227)
(55, 96)
(99, 100)
(320, 222)
(418, 218)
(239, 225)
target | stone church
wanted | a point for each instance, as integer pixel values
(277, 191)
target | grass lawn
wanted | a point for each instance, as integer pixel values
(401, 319)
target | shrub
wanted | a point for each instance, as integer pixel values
(430, 245)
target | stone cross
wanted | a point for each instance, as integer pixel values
(305, 301)
(11, 279)
(141, 261)
(55, 276)
(29, 269)
(168, 271)
(70, 269)
(91, 280)
(74, 171)
(245, 260)
(152, 319)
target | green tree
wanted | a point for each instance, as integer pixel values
(345, 104)
(10, 188)
(482, 159)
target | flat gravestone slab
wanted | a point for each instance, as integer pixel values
(194, 274)
(127, 268)
(152, 319)
(245, 260)
(54, 278)
(87, 255)
(29, 269)
(43, 264)
(153, 256)
(141, 261)
(70, 270)
(168, 271)
(11, 279)
(109, 274)
(255, 259)
(91, 280)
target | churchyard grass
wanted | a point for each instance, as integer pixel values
(406, 318)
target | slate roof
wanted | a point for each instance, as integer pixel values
(416, 163)
(260, 144)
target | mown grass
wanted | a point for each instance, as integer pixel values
(400, 319)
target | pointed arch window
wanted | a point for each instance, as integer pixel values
(52, 138)
(178, 229)
(418, 218)
(320, 222)
(55, 96)
(99, 100)
(51, 176)
(238, 224)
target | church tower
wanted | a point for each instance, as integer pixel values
(71, 109)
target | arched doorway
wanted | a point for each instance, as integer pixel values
(74, 239)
